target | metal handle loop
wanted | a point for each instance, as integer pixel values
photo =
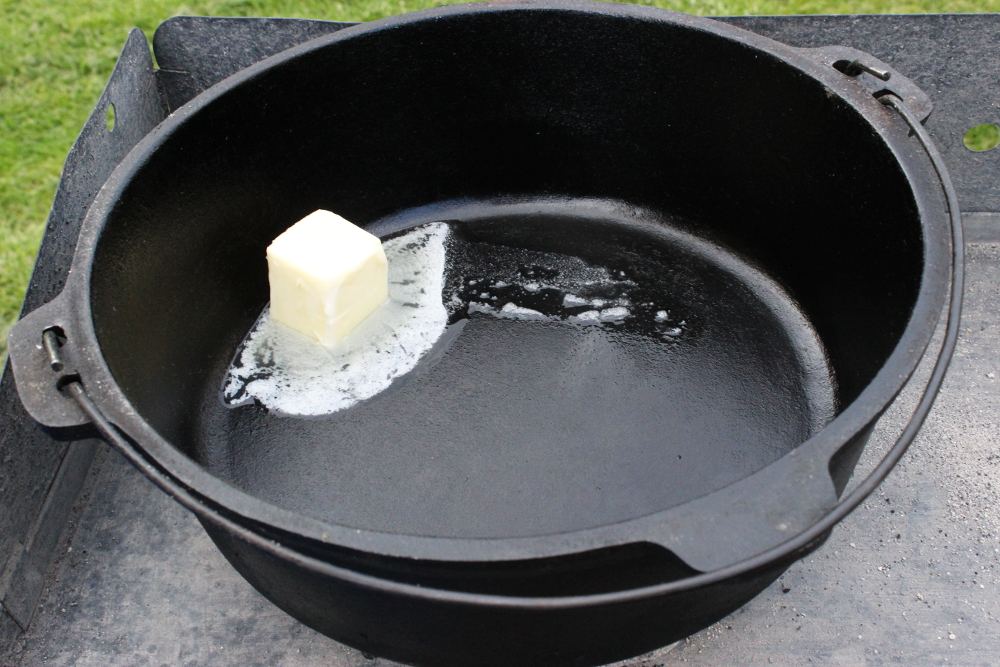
(780, 552)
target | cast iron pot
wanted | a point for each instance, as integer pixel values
(538, 494)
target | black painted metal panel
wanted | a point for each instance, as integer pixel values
(195, 52)
(955, 58)
(33, 498)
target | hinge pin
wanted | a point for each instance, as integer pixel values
(51, 341)
(857, 67)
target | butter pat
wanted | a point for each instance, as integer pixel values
(326, 275)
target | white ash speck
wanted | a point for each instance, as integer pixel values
(588, 317)
(513, 311)
(614, 314)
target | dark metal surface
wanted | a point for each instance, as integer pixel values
(954, 58)
(981, 227)
(219, 179)
(28, 476)
(95, 154)
(265, 200)
(877, 77)
(558, 431)
(144, 586)
(948, 53)
(194, 53)
(26, 580)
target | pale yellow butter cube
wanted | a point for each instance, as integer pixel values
(326, 275)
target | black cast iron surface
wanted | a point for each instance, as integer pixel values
(954, 58)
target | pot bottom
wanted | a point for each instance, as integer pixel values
(435, 633)
(549, 423)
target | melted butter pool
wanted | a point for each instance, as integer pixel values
(435, 278)
(292, 374)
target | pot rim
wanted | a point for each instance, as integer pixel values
(217, 499)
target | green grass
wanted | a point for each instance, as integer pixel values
(56, 55)
(982, 137)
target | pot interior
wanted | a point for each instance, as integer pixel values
(763, 208)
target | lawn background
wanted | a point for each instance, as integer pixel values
(56, 55)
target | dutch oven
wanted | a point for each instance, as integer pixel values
(540, 494)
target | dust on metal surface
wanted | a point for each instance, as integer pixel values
(912, 570)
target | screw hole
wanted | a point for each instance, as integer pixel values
(856, 67)
(982, 137)
(109, 117)
(58, 331)
(68, 379)
(842, 66)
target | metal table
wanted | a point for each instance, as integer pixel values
(100, 568)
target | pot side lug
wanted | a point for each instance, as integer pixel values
(38, 383)
(874, 75)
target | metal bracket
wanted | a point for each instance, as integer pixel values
(42, 363)
(196, 52)
(875, 76)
